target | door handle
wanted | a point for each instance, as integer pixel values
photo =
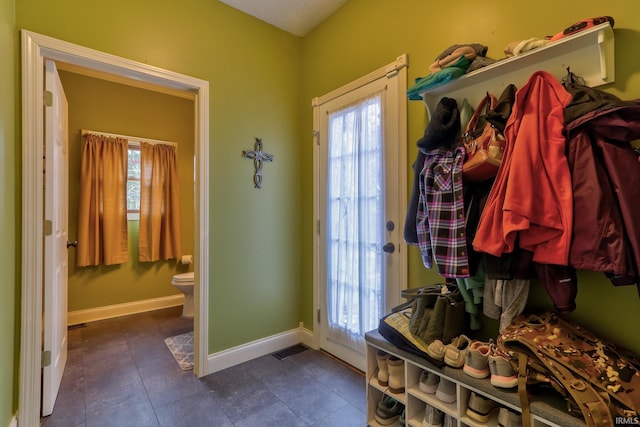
(74, 244)
(389, 248)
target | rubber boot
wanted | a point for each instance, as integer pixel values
(396, 374)
(383, 371)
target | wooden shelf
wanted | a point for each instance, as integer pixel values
(589, 54)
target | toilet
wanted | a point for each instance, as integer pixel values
(184, 283)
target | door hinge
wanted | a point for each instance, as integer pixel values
(48, 98)
(46, 358)
(391, 74)
(47, 228)
(316, 136)
(318, 316)
(318, 226)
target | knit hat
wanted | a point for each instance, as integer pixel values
(443, 129)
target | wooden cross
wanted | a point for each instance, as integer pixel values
(258, 157)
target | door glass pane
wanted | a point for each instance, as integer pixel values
(355, 216)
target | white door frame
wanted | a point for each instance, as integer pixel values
(36, 48)
(400, 133)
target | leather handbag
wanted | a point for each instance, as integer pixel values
(484, 144)
(599, 380)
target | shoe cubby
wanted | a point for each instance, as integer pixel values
(413, 373)
(546, 410)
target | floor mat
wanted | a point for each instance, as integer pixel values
(289, 351)
(181, 347)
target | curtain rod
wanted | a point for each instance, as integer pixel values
(129, 138)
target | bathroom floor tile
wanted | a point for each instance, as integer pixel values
(120, 372)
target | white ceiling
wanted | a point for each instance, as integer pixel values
(297, 17)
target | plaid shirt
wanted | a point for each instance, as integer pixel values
(440, 217)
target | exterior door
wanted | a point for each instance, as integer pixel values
(360, 198)
(55, 239)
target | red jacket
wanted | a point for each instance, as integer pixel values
(531, 199)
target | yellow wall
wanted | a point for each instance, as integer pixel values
(105, 106)
(9, 309)
(367, 34)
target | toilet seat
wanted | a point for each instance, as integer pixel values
(184, 277)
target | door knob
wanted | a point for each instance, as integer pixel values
(389, 248)
(74, 244)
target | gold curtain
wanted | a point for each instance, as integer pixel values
(159, 236)
(102, 218)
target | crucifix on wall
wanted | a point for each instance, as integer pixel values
(258, 157)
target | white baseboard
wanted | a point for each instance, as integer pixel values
(307, 338)
(13, 422)
(110, 311)
(245, 352)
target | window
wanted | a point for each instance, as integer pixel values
(133, 183)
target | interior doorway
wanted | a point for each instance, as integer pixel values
(36, 49)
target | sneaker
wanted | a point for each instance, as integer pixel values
(480, 408)
(507, 418)
(455, 353)
(429, 382)
(388, 411)
(446, 391)
(449, 421)
(502, 373)
(476, 362)
(403, 417)
(436, 350)
(433, 417)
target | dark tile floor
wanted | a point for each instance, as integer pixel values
(120, 373)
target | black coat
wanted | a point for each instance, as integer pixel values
(442, 131)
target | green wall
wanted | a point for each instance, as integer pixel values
(110, 107)
(253, 72)
(9, 308)
(367, 34)
(262, 81)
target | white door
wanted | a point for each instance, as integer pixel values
(360, 200)
(55, 244)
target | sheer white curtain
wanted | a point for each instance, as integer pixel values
(355, 230)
